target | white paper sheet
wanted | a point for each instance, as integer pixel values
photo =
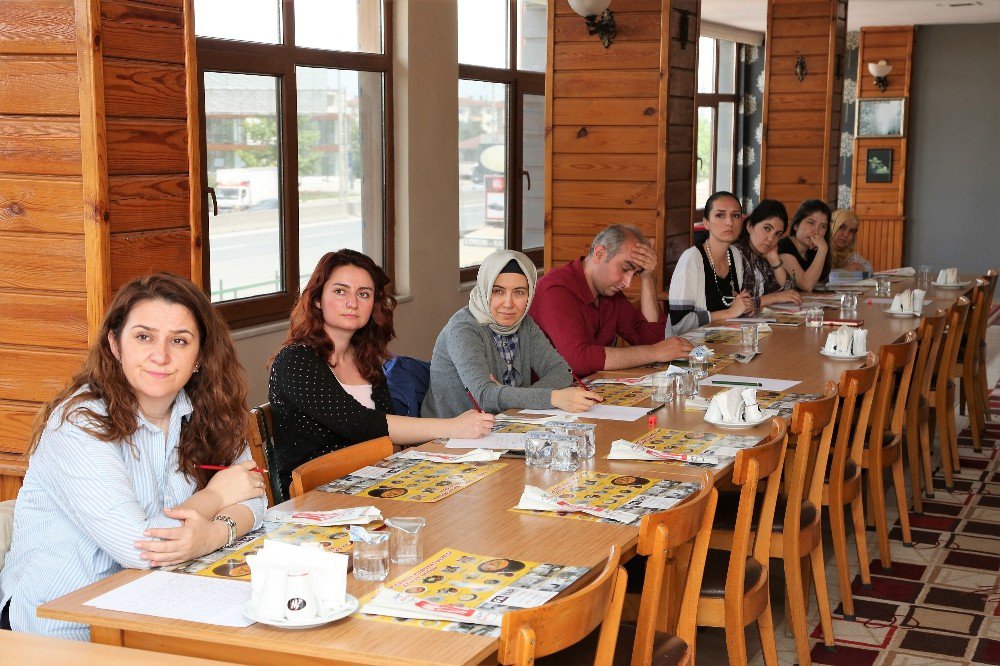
(766, 384)
(510, 441)
(181, 597)
(605, 412)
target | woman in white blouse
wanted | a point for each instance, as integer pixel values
(114, 479)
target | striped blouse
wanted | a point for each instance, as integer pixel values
(83, 505)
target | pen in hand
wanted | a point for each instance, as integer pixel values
(474, 403)
(580, 382)
(217, 468)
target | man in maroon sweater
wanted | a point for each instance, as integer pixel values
(581, 307)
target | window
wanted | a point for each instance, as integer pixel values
(501, 128)
(716, 101)
(297, 134)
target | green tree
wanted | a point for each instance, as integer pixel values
(262, 134)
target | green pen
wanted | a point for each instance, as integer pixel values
(721, 382)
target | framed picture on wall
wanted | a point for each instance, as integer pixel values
(878, 165)
(880, 117)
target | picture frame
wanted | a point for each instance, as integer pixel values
(878, 165)
(880, 117)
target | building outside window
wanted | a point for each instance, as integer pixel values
(717, 101)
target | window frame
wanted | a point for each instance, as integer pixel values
(519, 83)
(712, 101)
(281, 60)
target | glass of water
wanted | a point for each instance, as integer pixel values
(923, 276)
(698, 362)
(882, 285)
(749, 336)
(565, 453)
(585, 434)
(687, 384)
(848, 302)
(664, 387)
(538, 450)
(371, 558)
(814, 317)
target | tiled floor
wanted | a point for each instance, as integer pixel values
(939, 605)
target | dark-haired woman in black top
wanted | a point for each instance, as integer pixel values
(804, 253)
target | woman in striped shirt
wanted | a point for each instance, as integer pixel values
(114, 479)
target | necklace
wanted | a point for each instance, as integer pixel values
(726, 300)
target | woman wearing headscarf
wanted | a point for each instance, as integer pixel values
(844, 224)
(492, 349)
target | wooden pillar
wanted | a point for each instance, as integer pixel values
(620, 128)
(878, 198)
(95, 174)
(801, 140)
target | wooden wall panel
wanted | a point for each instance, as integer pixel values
(142, 32)
(620, 128)
(15, 426)
(143, 89)
(801, 137)
(37, 26)
(40, 204)
(44, 320)
(39, 85)
(22, 380)
(40, 146)
(147, 203)
(146, 147)
(133, 255)
(881, 205)
(54, 263)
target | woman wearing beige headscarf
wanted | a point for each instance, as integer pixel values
(844, 224)
(492, 349)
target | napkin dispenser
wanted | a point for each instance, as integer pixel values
(272, 569)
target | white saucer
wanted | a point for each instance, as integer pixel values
(957, 285)
(900, 314)
(351, 605)
(841, 357)
(742, 425)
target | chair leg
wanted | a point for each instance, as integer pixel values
(861, 540)
(765, 625)
(837, 531)
(962, 398)
(913, 456)
(900, 488)
(984, 388)
(944, 444)
(953, 440)
(976, 424)
(736, 643)
(925, 455)
(822, 595)
(876, 489)
(796, 573)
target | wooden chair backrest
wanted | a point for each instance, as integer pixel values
(929, 337)
(889, 408)
(262, 450)
(812, 424)
(338, 463)
(947, 362)
(752, 466)
(856, 397)
(979, 311)
(676, 541)
(536, 632)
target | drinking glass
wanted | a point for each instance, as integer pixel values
(565, 453)
(664, 387)
(749, 336)
(538, 450)
(848, 302)
(406, 539)
(585, 434)
(371, 558)
(923, 276)
(814, 317)
(698, 363)
(882, 285)
(687, 384)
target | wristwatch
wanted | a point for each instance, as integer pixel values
(231, 524)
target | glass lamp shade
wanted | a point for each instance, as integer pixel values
(587, 8)
(879, 69)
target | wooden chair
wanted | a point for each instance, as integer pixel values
(843, 485)
(884, 450)
(918, 442)
(942, 394)
(797, 517)
(675, 541)
(735, 589)
(262, 450)
(528, 634)
(338, 463)
(984, 387)
(969, 361)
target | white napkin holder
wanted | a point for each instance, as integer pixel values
(751, 411)
(726, 406)
(269, 568)
(918, 301)
(860, 344)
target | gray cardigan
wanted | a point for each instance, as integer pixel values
(465, 356)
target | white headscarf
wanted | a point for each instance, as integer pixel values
(479, 298)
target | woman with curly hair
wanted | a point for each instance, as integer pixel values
(115, 478)
(327, 388)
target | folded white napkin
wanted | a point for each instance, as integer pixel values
(727, 406)
(327, 575)
(696, 402)
(399, 604)
(897, 303)
(358, 515)
(845, 339)
(475, 455)
(948, 276)
(831, 343)
(860, 343)
(906, 271)
(918, 301)
(752, 411)
(536, 499)
(907, 298)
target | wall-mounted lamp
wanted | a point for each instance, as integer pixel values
(880, 70)
(600, 20)
(800, 68)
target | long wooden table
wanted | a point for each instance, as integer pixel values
(476, 519)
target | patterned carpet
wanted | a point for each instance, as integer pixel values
(939, 604)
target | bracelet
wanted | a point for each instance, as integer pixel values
(774, 268)
(231, 524)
